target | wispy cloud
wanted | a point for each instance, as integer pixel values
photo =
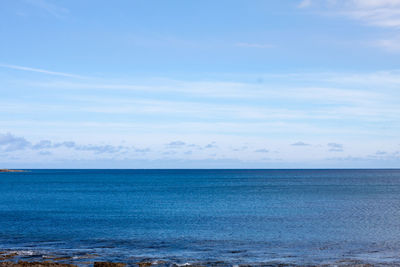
(305, 3)
(48, 72)
(262, 150)
(43, 144)
(237, 149)
(180, 145)
(254, 45)
(323, 106)
(375, 158)
(382, 13)
(335, 147)
(337, 87)
(391, 45)
(10, 142)
(300, 144)
(176, 144)
(378, 13)
(211, 145)
(49, 7)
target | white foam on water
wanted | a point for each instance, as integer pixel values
(24, 252)
(157, 262)
(183, 264)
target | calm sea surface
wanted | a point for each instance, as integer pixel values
(207, 216)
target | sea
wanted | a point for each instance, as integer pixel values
(203, 217)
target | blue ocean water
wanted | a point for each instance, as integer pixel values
(205, 216)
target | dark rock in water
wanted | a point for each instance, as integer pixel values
(144, 264)
(108, 264)
(237, 251)
(35, 264)
(62, 258)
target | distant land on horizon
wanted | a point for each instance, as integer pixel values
(199, 169)
(8, 170)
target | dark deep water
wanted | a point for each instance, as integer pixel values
(234, 216)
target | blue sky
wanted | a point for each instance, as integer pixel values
(200, 84)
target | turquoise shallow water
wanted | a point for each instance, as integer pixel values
(233, 216)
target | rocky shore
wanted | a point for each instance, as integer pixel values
(8, 170)
(14, 259)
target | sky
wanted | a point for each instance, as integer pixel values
(200, 84)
